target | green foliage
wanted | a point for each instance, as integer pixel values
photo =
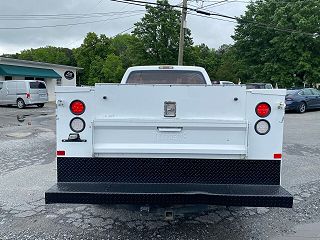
(97, 53)
(203, 56)
(93, 73)
(287, 58)
(112, 68)
(124, 47)
(49, 54)
(91, 55)
(158, 32)
(229, 67)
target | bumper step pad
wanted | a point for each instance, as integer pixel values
(169, 194)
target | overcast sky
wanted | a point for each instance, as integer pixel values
(212, 32)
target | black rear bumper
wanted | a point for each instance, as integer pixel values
(169, 182)
(169, 194)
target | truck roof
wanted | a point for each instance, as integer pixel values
(166, 68)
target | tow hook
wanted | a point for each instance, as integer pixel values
(144, 210)
(169, 215)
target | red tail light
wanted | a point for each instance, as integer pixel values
(263, 109)
(77, 107)
(28, 95)
(61, 153)
(277, 156)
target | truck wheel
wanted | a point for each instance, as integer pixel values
(302, 107)
(20, 103)
(40, 105)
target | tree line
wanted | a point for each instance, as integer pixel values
(276, 42)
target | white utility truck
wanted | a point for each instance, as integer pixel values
(164, 136)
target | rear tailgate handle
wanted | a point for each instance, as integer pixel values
(169, 129)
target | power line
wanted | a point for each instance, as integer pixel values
(257, 25)
(65, 17)
(127, 28)
(108, 20)
(206, 13)
(215, 3)
(144, 4)
(124, 31)
(91, 9)
(59, 14)
(64, 14)
(220, 19)
(65, 25)
(223, 3)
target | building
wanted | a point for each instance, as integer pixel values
(53, 74)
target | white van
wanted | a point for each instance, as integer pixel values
(23, 92)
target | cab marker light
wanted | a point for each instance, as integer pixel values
(61, 153)
(165, 67)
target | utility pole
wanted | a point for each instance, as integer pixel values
(182, 31)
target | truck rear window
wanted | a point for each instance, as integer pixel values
(37, 85)
(165, 77)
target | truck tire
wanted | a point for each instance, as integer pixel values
(20, 103)
(40, 105)
(302, 107)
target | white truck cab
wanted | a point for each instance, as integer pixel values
(166, 135)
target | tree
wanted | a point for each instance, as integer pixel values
(112, 69)
(91, 55)
(48, 54)
(205, 57)
(288, 57)
(229, 68)
(94, 72)
(158, 32)
(124, 47)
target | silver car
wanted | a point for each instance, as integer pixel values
(23, 92)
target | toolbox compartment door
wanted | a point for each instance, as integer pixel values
(201, 121)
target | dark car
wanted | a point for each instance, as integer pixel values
(259, 86)
(302, 99)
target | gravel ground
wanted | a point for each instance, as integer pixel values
(27, 169)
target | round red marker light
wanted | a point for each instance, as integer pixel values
(77, 107)
(263, 109)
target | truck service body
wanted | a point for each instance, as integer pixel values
(165, 135)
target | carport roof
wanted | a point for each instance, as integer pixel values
(10, 70)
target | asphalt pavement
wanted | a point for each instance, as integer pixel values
(27, 170)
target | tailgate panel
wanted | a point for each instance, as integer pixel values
(130, 119)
